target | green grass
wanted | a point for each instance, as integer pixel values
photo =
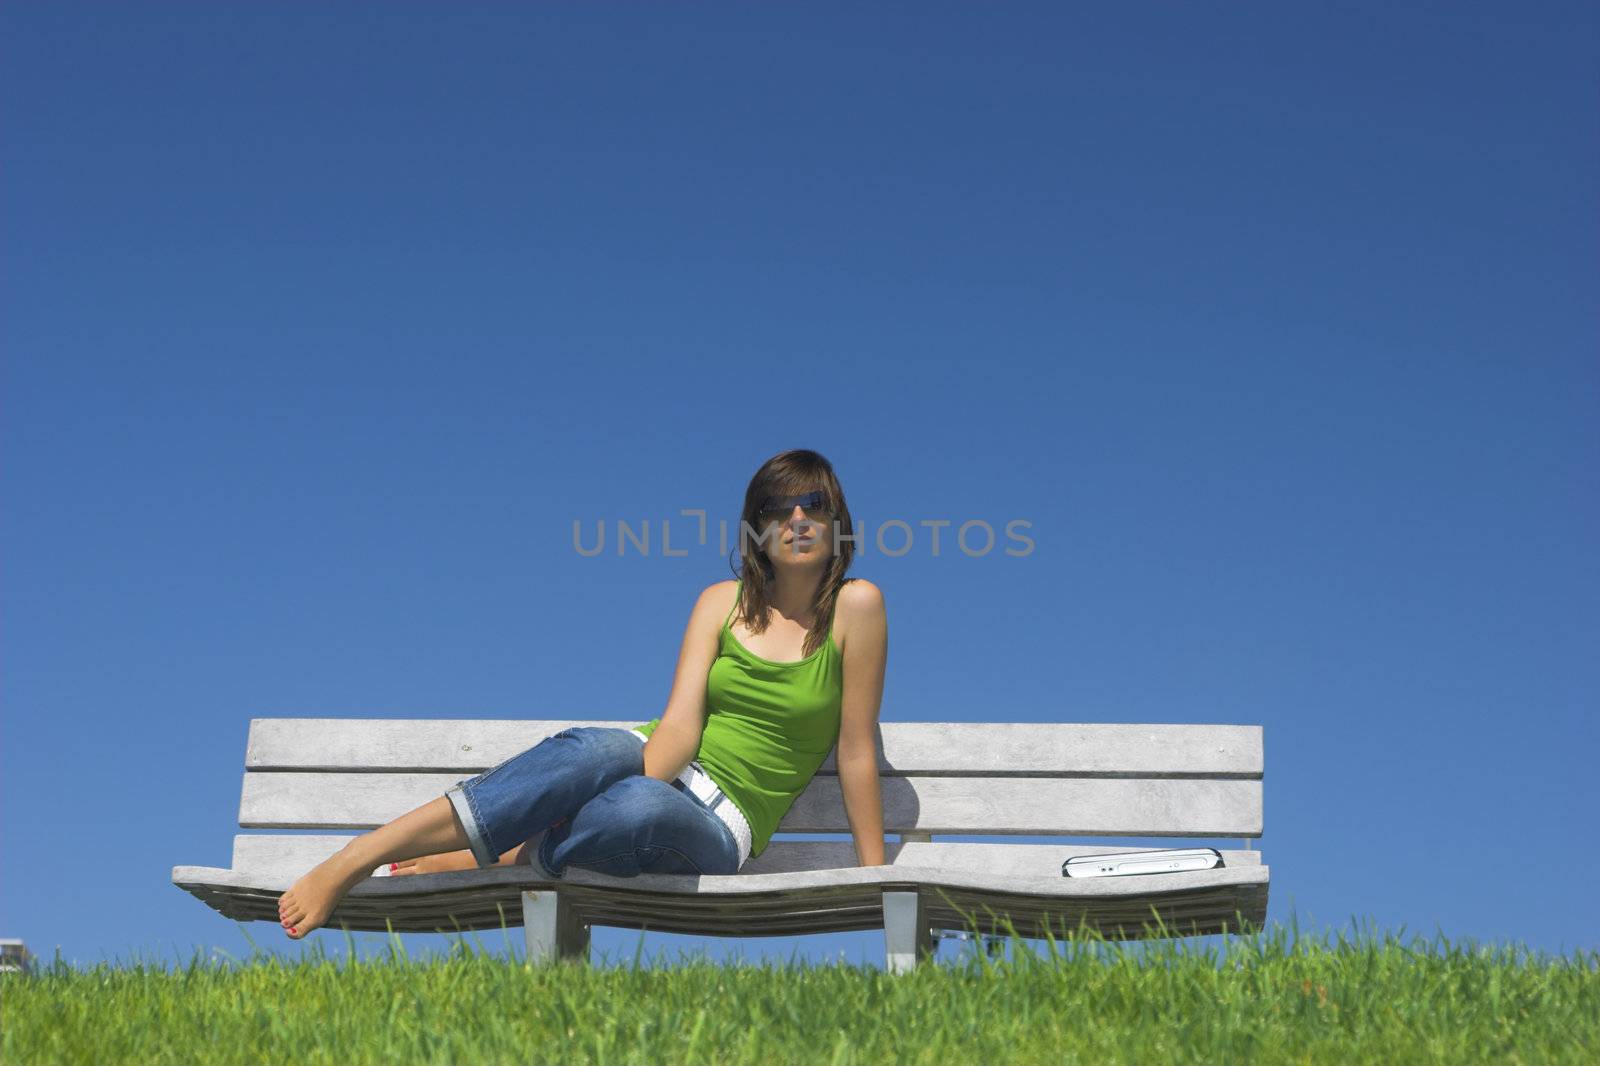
(1265, 998)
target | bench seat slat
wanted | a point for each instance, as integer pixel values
(762, 904)
(466, 747)
(1212, 913)
(964, 805)
(292, 856)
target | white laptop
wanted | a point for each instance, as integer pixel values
(1123, 864)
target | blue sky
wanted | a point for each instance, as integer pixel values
(1277, 322)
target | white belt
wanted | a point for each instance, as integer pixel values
(697, 781)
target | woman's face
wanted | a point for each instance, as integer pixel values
(797, 540)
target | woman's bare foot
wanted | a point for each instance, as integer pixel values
(310, 900)
(433, 828)
(433, 864)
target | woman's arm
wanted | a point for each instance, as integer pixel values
(866, 654)
(676, 738)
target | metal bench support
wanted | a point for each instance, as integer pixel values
(906, 935)
(550, 923)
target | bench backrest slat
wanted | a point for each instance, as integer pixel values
(451, 745)
(972, 778)
(1100, 806)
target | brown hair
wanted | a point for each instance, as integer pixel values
(793, 473)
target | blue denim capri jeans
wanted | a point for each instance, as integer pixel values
(585, 789)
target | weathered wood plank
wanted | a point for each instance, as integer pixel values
(1064, 806)
(466, 746)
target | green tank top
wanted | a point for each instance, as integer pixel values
(769, 726)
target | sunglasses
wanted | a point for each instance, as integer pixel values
(778, 508)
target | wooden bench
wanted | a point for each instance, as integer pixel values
(973, 779)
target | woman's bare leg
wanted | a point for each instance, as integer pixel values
(443, 862)
(428, 830)
(451, 860)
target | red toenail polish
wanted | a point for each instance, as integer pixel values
(291, 930)
(394, 866)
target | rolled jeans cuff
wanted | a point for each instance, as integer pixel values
(481, 849)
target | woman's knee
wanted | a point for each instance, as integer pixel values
(648, 806)
(652, 816)
(616, 749)
(640, 790)
(603, 738)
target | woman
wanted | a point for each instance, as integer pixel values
(776, 668)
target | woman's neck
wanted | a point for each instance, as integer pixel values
(792, 598)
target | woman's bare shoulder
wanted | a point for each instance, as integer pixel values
(860, 594)
(857, 598)
(718, 596)
(713, 604)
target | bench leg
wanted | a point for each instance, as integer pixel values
(906, 935)
(550, 924)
